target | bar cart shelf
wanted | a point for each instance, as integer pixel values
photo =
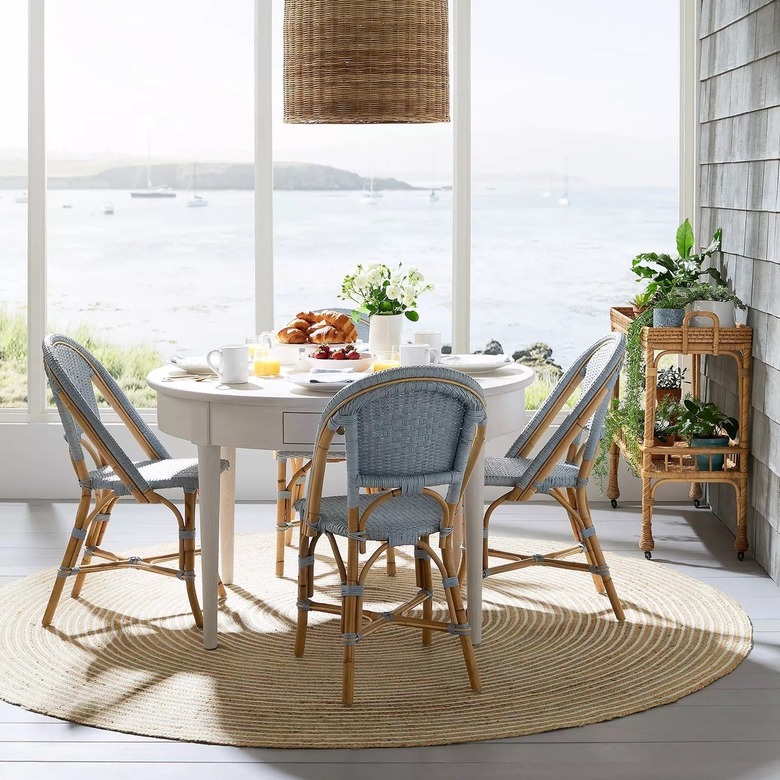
(678, 462)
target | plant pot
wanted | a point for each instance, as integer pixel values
(666, 441)
(723, 310)
(384, 332)
(637, 310)
(668, 318)
(703, 461)
(666, 392)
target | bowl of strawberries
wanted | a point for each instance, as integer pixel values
(337, 357)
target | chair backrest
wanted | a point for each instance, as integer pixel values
(74, 374)
(594, 372)
(361, 326)
(407, 428)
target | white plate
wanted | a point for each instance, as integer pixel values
(192, 364)
(476, 365)
(326, 381)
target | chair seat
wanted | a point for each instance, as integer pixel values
(507, 472)
(159, 474)
(400, 520)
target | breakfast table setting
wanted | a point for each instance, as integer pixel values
(269, 392)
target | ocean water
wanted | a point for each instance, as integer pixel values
(159, 272)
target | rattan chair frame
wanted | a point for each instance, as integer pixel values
(355, 619)
(96, 505)
(574, 500)
(291, 485)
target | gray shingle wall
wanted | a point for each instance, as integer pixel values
(739, 114)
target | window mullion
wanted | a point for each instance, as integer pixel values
(36, 211)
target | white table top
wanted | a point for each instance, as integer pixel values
(276, 390)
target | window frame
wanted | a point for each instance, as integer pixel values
(37, 411)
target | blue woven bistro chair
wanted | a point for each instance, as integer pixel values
(562, 466)
(290, 485)
(406, 431)
(74, 375)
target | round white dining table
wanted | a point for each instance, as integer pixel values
(275, 414)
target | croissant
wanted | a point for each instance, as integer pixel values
(325, 327)
(291, 336)
(325, 335)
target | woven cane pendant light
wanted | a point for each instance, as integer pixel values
(365, 61)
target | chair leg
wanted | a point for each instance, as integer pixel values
(391, 561)
(283, 506)
(597, 554)
(70, 556)
(94, 539)
(187, 556)
(353, 622)
(298, 492)
(305, 575)
(459, 617)
(428, 604)
(571, 495)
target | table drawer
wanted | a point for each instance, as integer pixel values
(301, 428)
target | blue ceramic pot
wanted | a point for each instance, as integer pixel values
(703, 461)
(668, 318)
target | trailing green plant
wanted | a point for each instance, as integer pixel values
(625, 417)
(703, 420)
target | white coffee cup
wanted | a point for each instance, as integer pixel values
(430, 337)
(231, 363)
(418, 354)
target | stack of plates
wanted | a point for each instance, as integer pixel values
(476, 365)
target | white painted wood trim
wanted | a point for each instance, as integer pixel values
(689, 111)
(461, 177)
(36, 210)
(264, 169)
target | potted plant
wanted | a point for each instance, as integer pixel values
(666, 413)
(717, 299)
(641, 301)
(703, 424)
(669, 383)
(387, 295)
(666, 274)
(669, 311)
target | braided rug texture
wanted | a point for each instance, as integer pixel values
(126, 656)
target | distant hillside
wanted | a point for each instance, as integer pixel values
(212, 176)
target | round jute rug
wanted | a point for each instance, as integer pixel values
(125, 656)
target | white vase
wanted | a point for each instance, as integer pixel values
(724, 310)
(384, 332)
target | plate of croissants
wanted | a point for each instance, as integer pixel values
(323, 327)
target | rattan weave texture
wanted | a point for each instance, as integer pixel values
(358, 62)
(125, 656)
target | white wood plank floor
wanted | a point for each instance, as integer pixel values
(728, 731)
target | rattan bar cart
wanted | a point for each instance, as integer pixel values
(677, 462)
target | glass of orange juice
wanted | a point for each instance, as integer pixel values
(387, 359)
(266, 364)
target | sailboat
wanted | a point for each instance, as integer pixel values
(433, 196)
(564, 199)
(150, 191)
(369, 197)
(196, 201)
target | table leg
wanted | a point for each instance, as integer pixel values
(474, 512)
(227, 514)
(209, 479)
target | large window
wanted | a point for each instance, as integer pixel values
(574, 171)
(575, 149)
(13, 204)
(144, 96)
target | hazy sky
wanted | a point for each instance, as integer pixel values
(594, 82)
